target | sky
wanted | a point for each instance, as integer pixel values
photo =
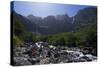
(46, 9)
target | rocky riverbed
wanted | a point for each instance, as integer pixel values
(42, 53)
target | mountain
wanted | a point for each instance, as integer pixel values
(86, 16)
(59, 23)
(23, 21)
(35, 19)
(52, 24)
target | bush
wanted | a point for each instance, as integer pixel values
(17, 41)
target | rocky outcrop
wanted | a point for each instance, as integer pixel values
(42, 53)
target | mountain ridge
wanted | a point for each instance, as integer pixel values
(60, 23)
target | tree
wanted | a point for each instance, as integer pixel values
(71, 40)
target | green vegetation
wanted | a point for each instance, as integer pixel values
(17, 41)
(84, 37)
(20, 34)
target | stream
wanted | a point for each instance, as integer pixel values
(42, 53)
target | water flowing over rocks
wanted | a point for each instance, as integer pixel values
(42, 53)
